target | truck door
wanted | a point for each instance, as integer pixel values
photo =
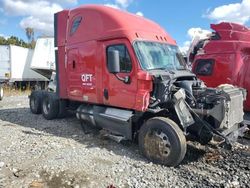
(116, 92)
(73, 74)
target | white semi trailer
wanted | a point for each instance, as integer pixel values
(15, 64)
(15, 68)
(21, 66)
(43, 60)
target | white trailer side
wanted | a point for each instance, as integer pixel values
(20, 65)
(4, 63)
(15, 64)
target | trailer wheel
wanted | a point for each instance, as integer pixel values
(36, 102)
(50, 106)
(1, 93)
(162, 141)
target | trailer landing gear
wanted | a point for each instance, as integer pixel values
(162, 141)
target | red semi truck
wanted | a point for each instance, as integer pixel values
(124, 73)
(224, 57)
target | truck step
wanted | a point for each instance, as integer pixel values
(108, 134)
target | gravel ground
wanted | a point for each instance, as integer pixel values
(38, 153)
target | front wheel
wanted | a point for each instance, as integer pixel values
(162, 141)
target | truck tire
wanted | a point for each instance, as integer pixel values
(50, 106)
(162, 141)
(62, 111)
(36, 102)
(1, 93)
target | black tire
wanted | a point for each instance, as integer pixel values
(36, 102)
(1, 93)
(62, 109)
(162, 141)
(50, 106)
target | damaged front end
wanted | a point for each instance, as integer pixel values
(202, 113)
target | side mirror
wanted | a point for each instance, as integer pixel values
(113, 61)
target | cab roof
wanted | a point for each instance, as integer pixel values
(102, 23)
(232, 31)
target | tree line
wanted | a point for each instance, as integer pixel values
(13, 40)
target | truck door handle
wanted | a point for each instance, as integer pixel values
(74, 64)
(106, 94)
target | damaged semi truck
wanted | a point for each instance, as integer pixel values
(224, 57)
(123, 73)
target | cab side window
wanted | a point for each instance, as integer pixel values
(204, 67)
(125, 61)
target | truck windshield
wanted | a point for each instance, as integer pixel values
(154, 55)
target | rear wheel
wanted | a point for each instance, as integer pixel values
(36, 102)
(162, 141)
(50, 106)
(1, 93)
(62, 108)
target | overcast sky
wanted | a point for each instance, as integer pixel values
(180, 18)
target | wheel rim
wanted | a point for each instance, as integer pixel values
(46, 106)
(157, 144)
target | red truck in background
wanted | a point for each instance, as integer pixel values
(123, 73)
(224, 57)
